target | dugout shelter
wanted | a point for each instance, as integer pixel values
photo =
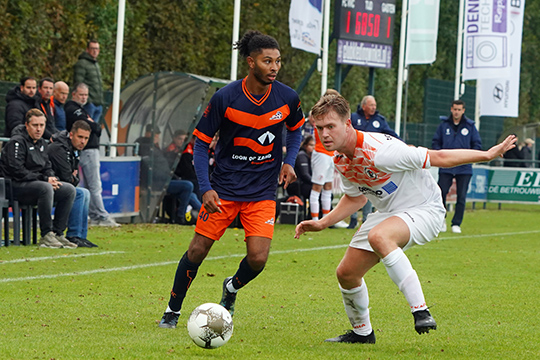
(169, 101)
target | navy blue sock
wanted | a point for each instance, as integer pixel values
(185, 273)
(244, 274)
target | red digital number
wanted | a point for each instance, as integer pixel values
(367, 24)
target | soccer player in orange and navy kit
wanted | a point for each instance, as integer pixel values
(250, 115)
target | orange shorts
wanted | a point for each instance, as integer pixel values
(257, 218)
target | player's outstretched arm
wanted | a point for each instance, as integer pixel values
(454, 157)
(346, 206)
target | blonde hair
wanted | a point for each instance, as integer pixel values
(331, 101)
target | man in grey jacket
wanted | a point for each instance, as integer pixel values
(86, 70)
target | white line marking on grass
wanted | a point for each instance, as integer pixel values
(59, 257)
(142, 266)
(459, 237)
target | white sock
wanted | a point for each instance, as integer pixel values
(169, 310)
(314, 204)
(231, 288)
(326, 201)
(400, 270)
(356, 301)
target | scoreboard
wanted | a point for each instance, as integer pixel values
(370, 21)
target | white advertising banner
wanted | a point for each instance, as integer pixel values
(485, 39)
(305, 25)
(422, 28)
(500, 96)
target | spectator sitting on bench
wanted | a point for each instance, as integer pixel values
(64, 154)
(24, 160)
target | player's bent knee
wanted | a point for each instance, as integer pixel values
(199, 248)
(343, 274)
(257, 261)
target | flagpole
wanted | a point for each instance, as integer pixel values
(236, 32)
(459, 50)
(326, 32)
(117, 76)
(402, 40)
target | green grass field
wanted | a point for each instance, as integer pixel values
(104, 303)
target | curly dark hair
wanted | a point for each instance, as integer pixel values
(255, 41)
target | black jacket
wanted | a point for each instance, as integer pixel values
(75, 112)
(64, 158)
(25, 160)
(17, 105)
(50, 127)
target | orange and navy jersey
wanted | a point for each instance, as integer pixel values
(249, 151)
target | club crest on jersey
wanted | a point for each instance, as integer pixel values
(277, 116)
(267, 135)
(370, 173)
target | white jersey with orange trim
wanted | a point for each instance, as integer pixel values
(390, 173)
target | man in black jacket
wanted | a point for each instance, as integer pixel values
(19, 100)
(90, 161)
(45, 89)
(64, 155)
(24, 160)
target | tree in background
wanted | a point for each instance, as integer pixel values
(44, 38)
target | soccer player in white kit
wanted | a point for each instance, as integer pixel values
(393, 176)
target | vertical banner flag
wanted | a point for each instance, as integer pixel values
(422, 28)
(500, 96)
(485, 39)
(305, 25)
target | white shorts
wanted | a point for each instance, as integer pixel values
(424, 224)
(322, 168)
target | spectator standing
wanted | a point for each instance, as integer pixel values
(456, 132)
(64, 155)
(86, 70)
(527, 151)
(24, 160)
(58, 100)
(514, 154)
(45, 89)
(368, 119)
(308, 129)
(89, 158)
(19, 100)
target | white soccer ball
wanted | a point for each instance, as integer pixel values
(210, 326)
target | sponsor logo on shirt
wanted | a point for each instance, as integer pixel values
(277, 116)
(390, 187)
(365, 190)
(370, 173)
